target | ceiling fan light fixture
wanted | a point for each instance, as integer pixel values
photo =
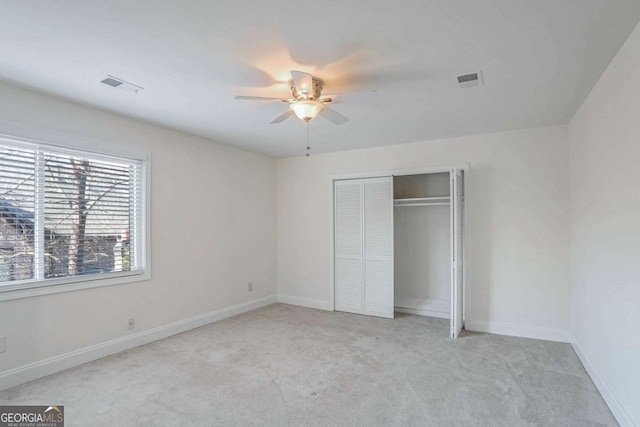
(307, 110)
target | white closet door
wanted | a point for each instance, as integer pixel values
(348, 265)
(378, 247)
(457, 245)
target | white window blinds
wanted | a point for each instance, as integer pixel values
(66, 213)
(17, 207)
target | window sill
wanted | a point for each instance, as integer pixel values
(67, 285)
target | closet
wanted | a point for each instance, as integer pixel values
(399, 245)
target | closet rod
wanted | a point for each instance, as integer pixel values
(422, 199)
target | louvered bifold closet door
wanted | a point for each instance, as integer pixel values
(378, 247)
(349, 280)
(457, 250)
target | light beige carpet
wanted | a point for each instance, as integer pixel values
(285, 365)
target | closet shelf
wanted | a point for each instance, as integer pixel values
(423, 201)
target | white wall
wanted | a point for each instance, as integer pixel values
(212, 231)
(519, 224)
(605, 218)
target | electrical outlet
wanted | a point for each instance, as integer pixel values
(250, 286)
(131, 324)
(3, 344)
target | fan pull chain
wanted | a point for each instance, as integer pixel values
(308, 147)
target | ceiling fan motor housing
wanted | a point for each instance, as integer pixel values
(317, 90)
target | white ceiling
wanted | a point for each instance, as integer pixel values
(539, 59)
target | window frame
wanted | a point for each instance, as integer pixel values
(97, 150)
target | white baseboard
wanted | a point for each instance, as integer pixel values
(305, 302)
(622, 416)
(61, 362)
(519, 330)
(424, 307)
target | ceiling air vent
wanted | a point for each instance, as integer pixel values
(470, 80)
(121, 84)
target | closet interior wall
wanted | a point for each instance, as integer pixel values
(422, 244)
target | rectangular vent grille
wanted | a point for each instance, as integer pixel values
(121, 84)
(467, 78)
(470, 80)
(111, 82)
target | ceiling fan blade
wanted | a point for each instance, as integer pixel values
(333, 116)
(303, 82)
(259, 98)
(282, 117)
(349, 97)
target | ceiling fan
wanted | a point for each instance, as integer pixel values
(307, 101)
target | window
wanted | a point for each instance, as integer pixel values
(68, 216)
